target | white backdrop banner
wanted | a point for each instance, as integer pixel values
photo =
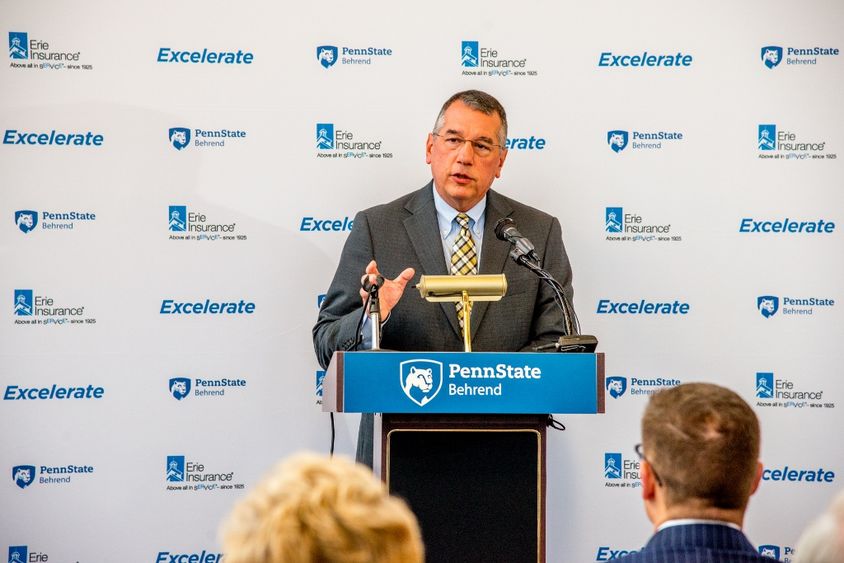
(178, 180)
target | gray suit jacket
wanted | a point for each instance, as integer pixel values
(404, 233)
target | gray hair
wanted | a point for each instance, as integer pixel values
(480, 101)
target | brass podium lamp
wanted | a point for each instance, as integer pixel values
(467, 289)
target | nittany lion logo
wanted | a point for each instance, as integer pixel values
(26, 219)
(180, 387)
(18, 554)
(421, 380)
(23, 475)
(771, 56)
(617, 140)
(768, 305)
(179, 137)
(326, 55)
(616, 386)
(772, 551)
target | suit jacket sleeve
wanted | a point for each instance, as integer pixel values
(336, 326)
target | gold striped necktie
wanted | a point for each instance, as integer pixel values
(464, 259)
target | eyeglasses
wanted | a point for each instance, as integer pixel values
(642, 457)
(481, 148)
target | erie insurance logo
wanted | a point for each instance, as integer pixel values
(36, 53)
(18, 554)
(636, 227)
(336, 142)
(785, 143)
(18, 45)
(421, 380)
(486, 60)
(765, 385)
(790, 392)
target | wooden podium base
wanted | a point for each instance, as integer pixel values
(475, 482)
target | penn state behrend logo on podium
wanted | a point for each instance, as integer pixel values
(421, 380)
(768, 305)
(616, 386)
(26, 219)
(617, 140)
(326, 55)
(771, 56)
(23, 475)
(772, 551)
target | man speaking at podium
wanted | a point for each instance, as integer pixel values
(447, 227)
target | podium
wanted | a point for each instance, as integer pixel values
(462, 438)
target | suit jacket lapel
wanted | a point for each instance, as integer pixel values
(494, 253)
(424, 232)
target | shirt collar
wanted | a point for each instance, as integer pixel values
(690, 521)
(446, 215)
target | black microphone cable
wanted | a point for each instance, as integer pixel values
(368, 287)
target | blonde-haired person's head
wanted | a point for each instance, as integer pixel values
(312, 508)
(823, 540)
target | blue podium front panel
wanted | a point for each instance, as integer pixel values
(473, 382)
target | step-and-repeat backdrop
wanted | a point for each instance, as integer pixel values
(178, 179)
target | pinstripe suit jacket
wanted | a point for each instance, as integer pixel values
(697, 543)
(404, 233)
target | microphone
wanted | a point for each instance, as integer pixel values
(505, 229)
(368, 286)
(374, 308)
(524, 254)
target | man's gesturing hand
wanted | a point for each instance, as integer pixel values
(391, 291)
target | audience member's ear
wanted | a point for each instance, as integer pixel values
(757, 478)
(648, 481)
